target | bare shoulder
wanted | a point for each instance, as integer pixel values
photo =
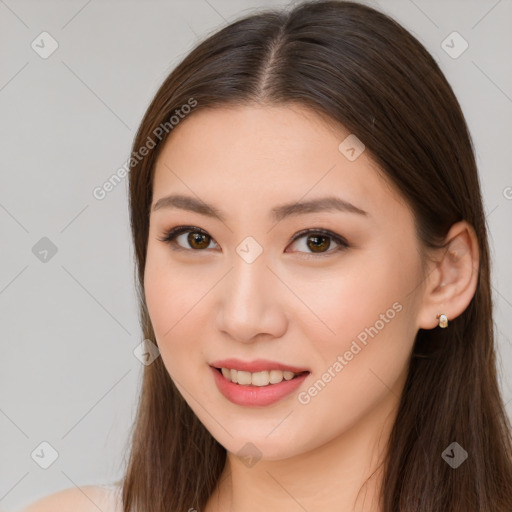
(84, 499)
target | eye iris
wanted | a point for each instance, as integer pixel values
(200, 238)
(317, 245)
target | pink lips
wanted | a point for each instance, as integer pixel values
(256, 395)
(258, 365)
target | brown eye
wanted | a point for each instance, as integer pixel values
(319, 242)
(196, 239)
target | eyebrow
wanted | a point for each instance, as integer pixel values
(278, 213)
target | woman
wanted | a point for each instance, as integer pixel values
(313, 266)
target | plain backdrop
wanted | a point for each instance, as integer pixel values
(69, 319)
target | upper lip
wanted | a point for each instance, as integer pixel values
(258, 365)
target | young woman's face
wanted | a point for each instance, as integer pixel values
(331, 289)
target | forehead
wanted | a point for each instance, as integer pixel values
(265, 155)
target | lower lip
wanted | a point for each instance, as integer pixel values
(256, 395)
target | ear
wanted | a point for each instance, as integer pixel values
(452, 277)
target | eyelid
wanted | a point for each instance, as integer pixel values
(170, 236)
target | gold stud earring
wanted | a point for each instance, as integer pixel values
(443, 320)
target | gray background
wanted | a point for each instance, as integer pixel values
(69, 325)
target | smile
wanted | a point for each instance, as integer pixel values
(261, 391)
(263, 378)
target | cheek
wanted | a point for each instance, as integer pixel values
(170, 289)
(368, 330)
(364, 292)
(368, 353)
(170, 301)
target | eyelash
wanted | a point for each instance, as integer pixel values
(170, 235)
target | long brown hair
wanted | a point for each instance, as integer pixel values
(366, 72)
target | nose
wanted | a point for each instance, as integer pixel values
(250, 303)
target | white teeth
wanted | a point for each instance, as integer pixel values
(263, 378)
(275, 377)
(243, 378)
(260, 378)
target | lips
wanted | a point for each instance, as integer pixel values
(258, 365)
(254, 396)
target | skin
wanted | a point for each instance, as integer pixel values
(291, 304)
